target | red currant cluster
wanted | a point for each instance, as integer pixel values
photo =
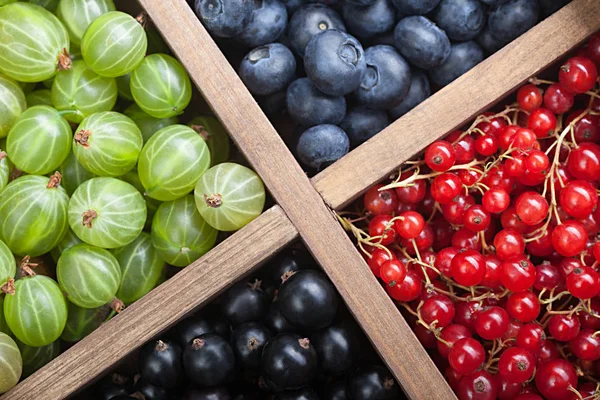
(489, 243)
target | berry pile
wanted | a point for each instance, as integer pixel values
(343, 70)
(489, 243)
(285, 336)
(101, 184)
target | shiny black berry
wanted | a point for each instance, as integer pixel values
(287, 261)
(373, 383)
(288, 362)
(244, 302)
(275, 321)
(151, 392)
(248, 341)
(301, 394)
(336, 391)
(338, 348)
(160, 363)
(214, 393)
(208, 360)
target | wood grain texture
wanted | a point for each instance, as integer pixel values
(194, 286)
(458, 102)
(293, 191)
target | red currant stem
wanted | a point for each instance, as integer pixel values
(484, 244)
(436, 208)
(595, 333)
(552, 299)
(484, 118)
(496, 348)
(572, 389)
(361, 236)
(536, 81)
(410, 310)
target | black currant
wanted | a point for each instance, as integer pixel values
(160, 363)
(248, 341)
(208, 360)
(288, 362)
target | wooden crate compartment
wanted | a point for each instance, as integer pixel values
(304, 206)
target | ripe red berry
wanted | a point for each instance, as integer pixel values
(443, 261)
(578, 199)
(587, 129)
(468, 268)
(496, 200)
(451, 334)
(523, 306)
(393, 272)
(547, 276)
(380, 226)
(466, 356)
(440, 156)
(515, 166)
(409, 225)
(445, 187)
(537, 161)
(454, 211)
(509, 243)
(529, 97)
(518, 273)
(493, 269)
(438, 308)
(531, 207)
(558, 100)
(554, 378)
(586, 345)
(542, 122)
(380, 202)
(583, 283)
(524, 139)
(531, 337)
(516, 365)
(479, 385)
(563, 328)
(578, 75)
(408, 290)
(569, 238)
(476, 218)
(584, 162)
(492, 323)
(378, 258)
(486, 145)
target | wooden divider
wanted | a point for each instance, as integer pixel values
(194, 286)
(458, 102)
(291, 188)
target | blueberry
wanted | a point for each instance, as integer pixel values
(362, 123)
(493, 2)
(386, 38)
(310, 20)
(415, 7)
(335, 62)
(387, 79)
(273, 104)
(488, 42)
(267, 23)
(224, 18)
(418, 92)
(361, 3)
(463, 57)
(419, 40)
(549, 7)
(268, 69)
(460, 19)
(292, 5)
(321, 145)
(510, 20)
(369, 21)
(308, 106)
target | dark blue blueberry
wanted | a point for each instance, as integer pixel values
(335, 62)
(386, 38)
(510, 20)
(310, 20)
(224, 18)
(292, 5)
(488, 42)
(549, 7)
(268, 69)
(308, 106)
(422, 43)
(418, 92)
(493, 2)
(267, 23)
(463, 57)
(415, 7)
(460, 19)
(362, 123)
(273, 104)
(369, 21)
(331, 3)
(387, 79)
(322, 145)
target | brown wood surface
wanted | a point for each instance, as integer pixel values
(194, 286)
(292, 190)
(458, 102)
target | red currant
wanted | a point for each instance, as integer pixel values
(378, 258)
(413, 193)
(516, 365)
(438, 308)
(466, 356)
(440, 156)
(524, 139)
(509, 243)
(486, 145)
(454, 211)
(542, 122)
(529, 97)
(496, 200)
(423, 242)
(451, 334)
(492, 323)
(584, 162)
(493, 269)
(476, 218)
(408, 290)
(554, 378)
(468, 268)
(537, 161)
(530, 337)
(380, 202)
(443, 261)
(518, 273)
(480, 385)
(547, 276)
(563, 328)
(510, 220)
(569, 238)
(578, 75)
(445, 187)
(409, 224)
(586, 345)
(380, 226)
(531, 207)
(578, 199)
(593, 50)
(583, 283)
(393, 272)
(523, 306)
(558, 100)
(587, 129)
(515, 166)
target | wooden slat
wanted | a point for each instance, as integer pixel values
(291, 188)
(195, 285)
(458, 102)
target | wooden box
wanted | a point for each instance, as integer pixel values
(304, 206)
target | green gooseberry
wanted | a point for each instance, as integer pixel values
(151, 204)
(12, 105)
(148, 124)
(73, 174)
(180, 234)
(39, 141)
(42, 97)
(69, 240)
(83, 321)
(89, 276)
(216, 137)
(77, 15)
(35, 358)
(11, 363)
